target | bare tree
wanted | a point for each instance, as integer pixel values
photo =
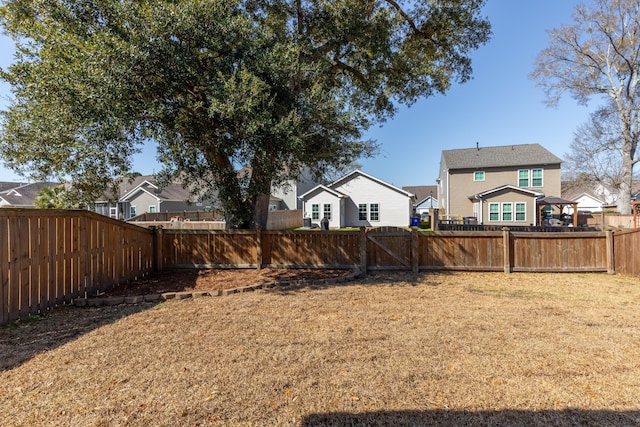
(595, 155)
(599, 55)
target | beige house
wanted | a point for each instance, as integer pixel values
(497, 185)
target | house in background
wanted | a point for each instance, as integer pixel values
(584, 195)
(287, 195)
(424, 200)
(497, 185)
(143, 195)
(358, 200)
(21, 195)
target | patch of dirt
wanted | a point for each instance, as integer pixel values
(215, 279)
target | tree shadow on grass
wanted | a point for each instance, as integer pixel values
(372, 278)
(23, 340)
(443, 418)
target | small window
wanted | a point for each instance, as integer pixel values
(152, 209)
(536, 177)
(374, 212)
(521, 211)
(494, 212)
(478, 176)
(523, 178)
(132, 211)
(113, 212)
(362, 212)
(315, 211)
(507, 212)
(327, 211)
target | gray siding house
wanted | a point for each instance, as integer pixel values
(143, 195)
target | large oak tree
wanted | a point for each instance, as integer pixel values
(599, 56)
(238, 94)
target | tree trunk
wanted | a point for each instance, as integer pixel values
(629, 144)
(624, 193)
(261, 211)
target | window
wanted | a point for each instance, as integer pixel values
(315, 211)
(494, 212)
(132, 211)
(478, 176)
(536, 177)
(362, 212)
(327, 211)
(507, 212)
(152, 209)
(523, 178)
(374, 212)
(113, 212)
(521, 211)
(530, 178)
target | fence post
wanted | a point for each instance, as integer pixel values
(611, 262)
(415, 258)
(157, 248)
(363, 250)
(4, 269)
(506, 243)
(259, 247)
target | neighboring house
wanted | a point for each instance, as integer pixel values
(143, 195)
(497, 185)
(287, 195)
(20, 195)
(358, 200)
(584, 195)
(424, 200)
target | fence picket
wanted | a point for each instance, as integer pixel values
(4, 270)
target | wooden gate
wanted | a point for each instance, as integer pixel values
(389, 248)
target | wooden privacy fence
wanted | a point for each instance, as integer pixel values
(392, 249)
(49, 257)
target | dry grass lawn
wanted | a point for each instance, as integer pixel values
(389, 349)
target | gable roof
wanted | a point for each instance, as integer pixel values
(500, 156)
(321, 188)
(422, 192)
(358, 172)
(5, 185)
(506, 187)
(25, 194)
(128, 187)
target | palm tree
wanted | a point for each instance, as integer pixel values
(52, 198)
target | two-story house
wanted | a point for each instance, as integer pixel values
(498, 185)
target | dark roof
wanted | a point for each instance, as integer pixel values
(4, 186)
(508, 155)
(26, 194)
(555, 201)
(422, 191)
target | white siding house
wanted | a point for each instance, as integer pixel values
(586, 202)
(358, 200)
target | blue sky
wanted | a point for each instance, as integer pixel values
(499, 106)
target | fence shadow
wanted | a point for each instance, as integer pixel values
(444, 418)
(23, 340)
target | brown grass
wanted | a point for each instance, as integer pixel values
(390, 349)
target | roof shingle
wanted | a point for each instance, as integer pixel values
(500, 156)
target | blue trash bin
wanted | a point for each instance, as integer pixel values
(415, 221)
